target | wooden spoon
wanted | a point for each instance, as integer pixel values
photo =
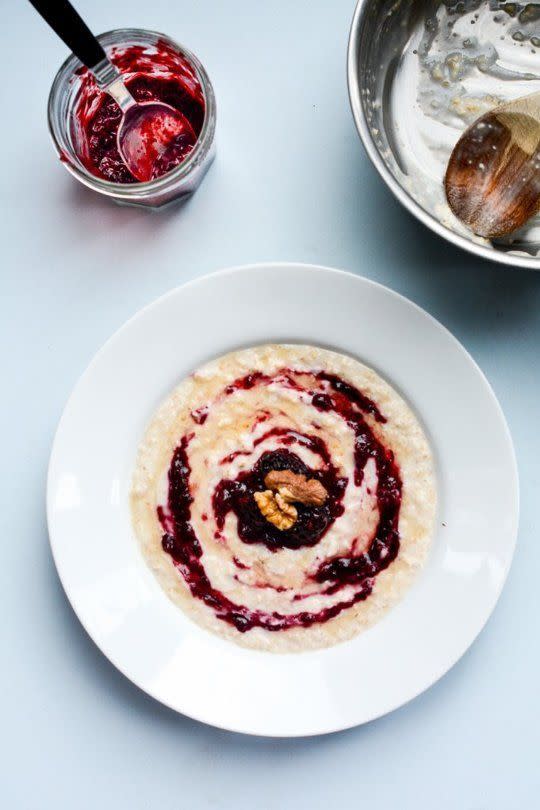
(492, 181)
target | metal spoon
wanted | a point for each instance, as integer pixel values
(492, 181)
(147, 128)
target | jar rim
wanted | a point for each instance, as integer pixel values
(131, 191)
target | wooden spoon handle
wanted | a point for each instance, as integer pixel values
(69, 26)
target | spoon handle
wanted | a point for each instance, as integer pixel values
(69, 26)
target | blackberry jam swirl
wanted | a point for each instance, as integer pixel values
(307, 571)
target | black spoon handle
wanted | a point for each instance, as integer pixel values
(63, 19)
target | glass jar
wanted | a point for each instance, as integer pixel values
(181, 181)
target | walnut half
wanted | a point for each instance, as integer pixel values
(276, 510)
(296, 488)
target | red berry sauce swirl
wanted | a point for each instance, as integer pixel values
(353, 573)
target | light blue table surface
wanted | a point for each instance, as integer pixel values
(290, 182)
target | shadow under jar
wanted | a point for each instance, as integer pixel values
(83, 120)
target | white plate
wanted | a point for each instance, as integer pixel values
(124, 609)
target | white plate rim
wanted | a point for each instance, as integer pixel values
(312, 268)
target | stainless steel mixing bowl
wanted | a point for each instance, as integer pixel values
(379, 33)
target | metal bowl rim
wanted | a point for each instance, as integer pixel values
(511, 259)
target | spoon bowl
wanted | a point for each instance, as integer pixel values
(148, 135)
(492, 182)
